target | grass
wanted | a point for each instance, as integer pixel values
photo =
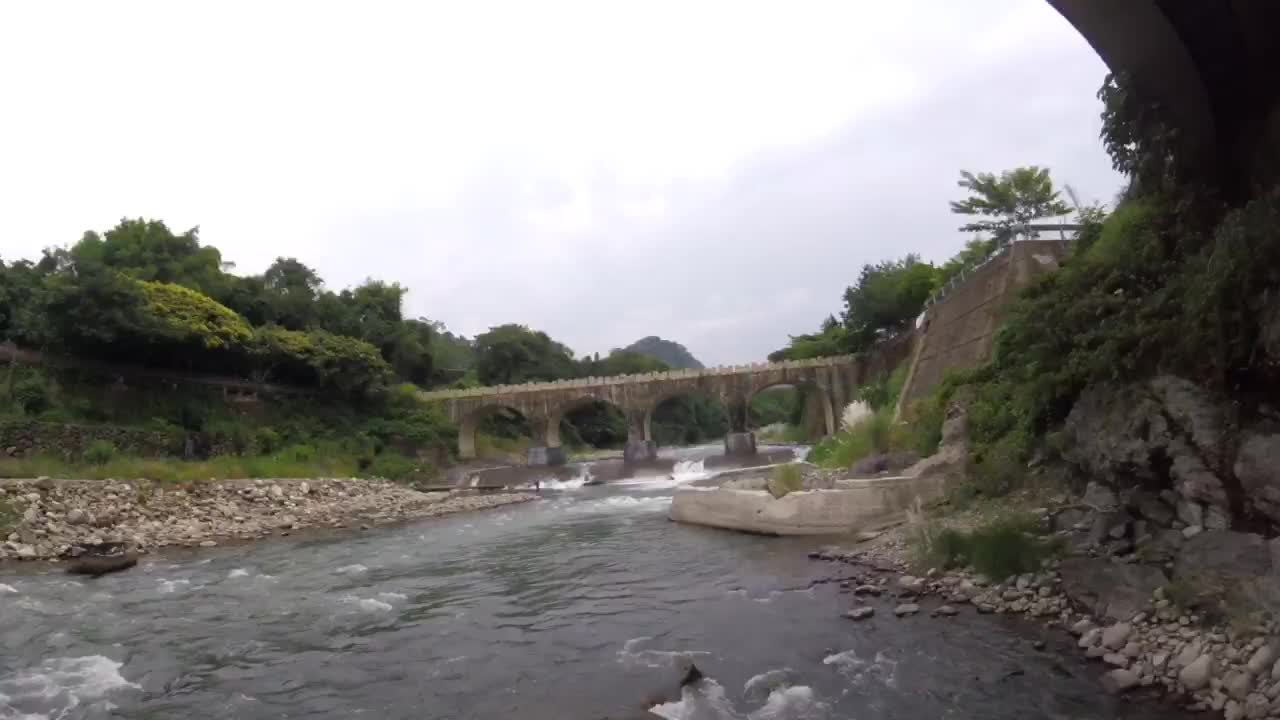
(1010, 544)
(781, 433)
(865, 437)
(785, 479)
(293, 462)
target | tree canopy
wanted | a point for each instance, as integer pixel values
(1012, 198)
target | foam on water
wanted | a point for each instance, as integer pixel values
(354, 569)
(882, 668)
(786, 703)
(374, 605)
(682, 473)
(390, 596)
(622, 503)
(59, 685)
(632, 655)
(701, 701)
(168, 586)
(7, 589)
(237, 573)
(574, 483)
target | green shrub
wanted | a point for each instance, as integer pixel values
(9, 516)
(1006, 546)
(391, 466)
(299, 453)
(785, 479)
(266, 441)
(187, 317)
(32, 395)
(99, 452)
(868, 436)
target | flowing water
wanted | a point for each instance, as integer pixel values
(581, 605)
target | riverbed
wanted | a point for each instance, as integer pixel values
(584, 604)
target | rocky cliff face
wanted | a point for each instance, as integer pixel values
(1169, 434)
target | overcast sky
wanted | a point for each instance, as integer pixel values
(712, 172)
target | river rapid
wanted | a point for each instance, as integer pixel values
(582, 605)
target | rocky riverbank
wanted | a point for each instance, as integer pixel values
(1123, 617)
(44, 519)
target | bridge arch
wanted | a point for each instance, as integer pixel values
(716, 400)
(810, 391)
(557, 414)
(470, 424)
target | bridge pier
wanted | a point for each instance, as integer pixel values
(640, 451)
(740, 443)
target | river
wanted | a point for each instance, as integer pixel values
(581, 605)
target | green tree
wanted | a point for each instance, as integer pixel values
(1013, 198)
(886, 300)
(509, 354)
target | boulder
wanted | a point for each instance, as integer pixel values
(76, 516)
(1260, 662)
(1218, 563)
(100, 559)
(1149, 505)
(861, 613)
(1196, 675)
(1257, 467)
(1116, 636)
(1119, 680)
(1237, 685)
(1107, 589)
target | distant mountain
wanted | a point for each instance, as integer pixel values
(669, 352)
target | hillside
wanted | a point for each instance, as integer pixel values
(668, 351)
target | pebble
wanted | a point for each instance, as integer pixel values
(1119, 680)
(906, 609)
(946, 611)
(1115, 636)
(1196, 675)
(1261, 660)
(861, 613)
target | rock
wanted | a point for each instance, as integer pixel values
(76, 516)
(1082, 626)
(1189, 512)
(208, 543)
(276, 492)
(1150, 506)
(1261, 661)
(1159, 660)
(304, 488)
(911, 583)
(1096, 651)
(1196, 675)
(1275, 671)
(99, 559)
(1237, 684)
(1256, 707)
(861, 613)
(945, 611)
(868, 590)
(1189, 653)
(1090, 638)
(1233, 710)
(44, 483)
(1116, 659)
(26, 552)
(906, 609)
(1191, 531)
(1115, 636)
(1100, 497)
(1119, 680)
(1132, 650)
(1222, 562)
(1109, 589)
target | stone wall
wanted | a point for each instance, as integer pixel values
(27, 437)
(957, 330)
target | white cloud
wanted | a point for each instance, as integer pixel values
(602, 170)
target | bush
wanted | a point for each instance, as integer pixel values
(1006, 546)
(99, 452)
(266, 441)
(186, 317)
(785, 479)
(299, 453)
(31, 395)
(867, 436)
(391, 466)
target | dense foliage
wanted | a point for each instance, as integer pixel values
(143, 295)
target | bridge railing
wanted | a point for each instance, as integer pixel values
(637, 378)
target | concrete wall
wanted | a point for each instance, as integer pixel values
(958, 330)
(854, 505)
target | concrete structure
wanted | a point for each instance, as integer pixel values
(1210, 65)
(853, 505)
(828, 383)
(957, 329)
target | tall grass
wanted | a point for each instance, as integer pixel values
(868, 435)
(785, 479)
(1005, 546)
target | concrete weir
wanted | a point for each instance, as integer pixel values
(851, 506)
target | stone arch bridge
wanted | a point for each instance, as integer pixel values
(828, 381)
